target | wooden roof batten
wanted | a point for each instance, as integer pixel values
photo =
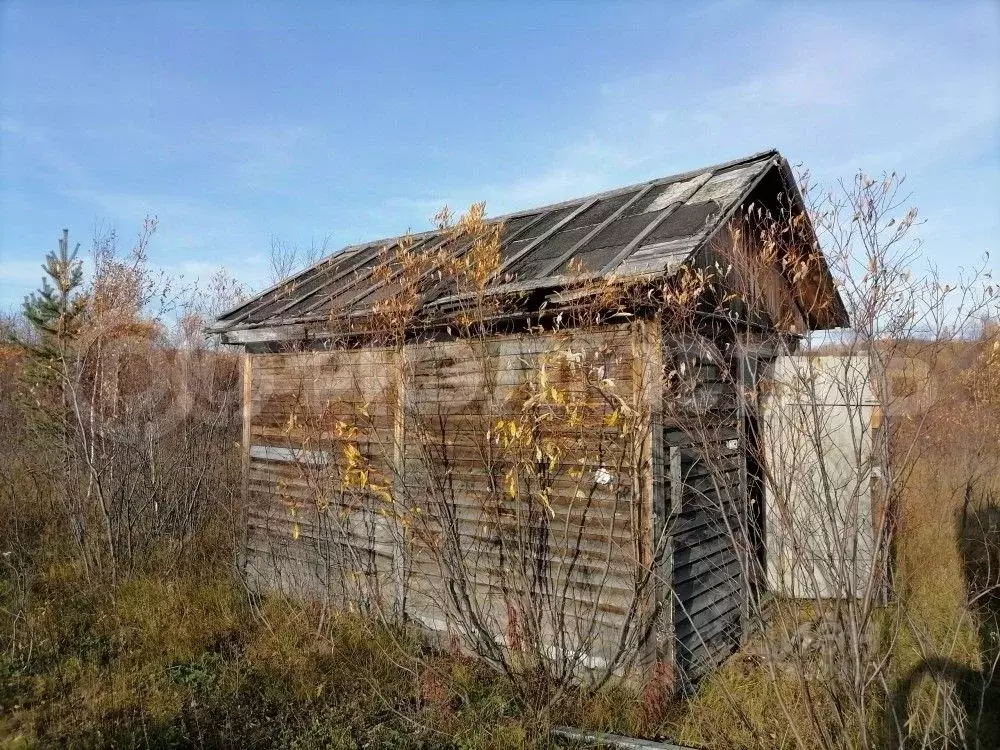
(630, 248)
(505, 242)
(650, 249)
(544, 236)
(580, 244)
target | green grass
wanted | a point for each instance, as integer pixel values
(187, 662)
(184, 660)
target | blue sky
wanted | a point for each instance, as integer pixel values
(234, 123)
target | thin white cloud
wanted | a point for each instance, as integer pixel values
(835, 93)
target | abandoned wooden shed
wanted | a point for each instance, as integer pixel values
(504, 464)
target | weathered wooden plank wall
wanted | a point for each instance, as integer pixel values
(321, 428)
(455, 523)
(572, 570)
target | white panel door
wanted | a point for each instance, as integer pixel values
(816, 429)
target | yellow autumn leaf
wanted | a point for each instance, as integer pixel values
(511, 483)
(543, 497)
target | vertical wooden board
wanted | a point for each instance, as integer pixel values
(246, 378)
(401, 565)
(648, 384)
(247, 384)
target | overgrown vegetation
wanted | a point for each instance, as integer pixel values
(126, 617)
(184, 660)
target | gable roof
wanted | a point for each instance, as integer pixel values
(642, 230)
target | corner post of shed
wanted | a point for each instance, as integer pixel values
(647, 354)
(246, 383)
(400, 557)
